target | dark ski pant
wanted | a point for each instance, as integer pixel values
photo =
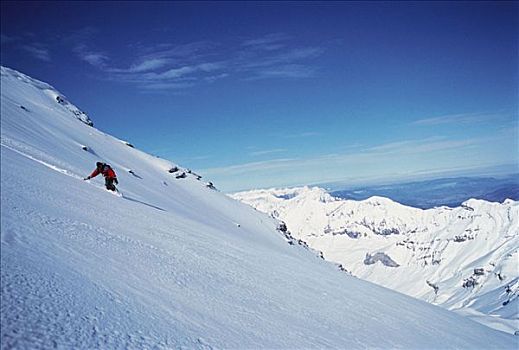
(109, 183)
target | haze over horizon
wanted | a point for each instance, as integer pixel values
(271, 94)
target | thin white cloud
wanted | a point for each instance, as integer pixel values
(267, 152)
(273, 164)
(285, 71)
(179, 72)
(172, 67)
(171, 79)
(280, 56)
(213, 78)
(146, 65)
(95, 59)
(303, 134)
(268, 42)
(396, 159)
(153, 86)
(392, 146)
(92, 57)
(431, 144)
(199, 158)
(80, 41)
(174, 73)
(300, 53)
(268, 57)
(462, 118)
(8, 39)
(281, 62)
(367, 156)
(188, 51)
(25, 42)
(38, 51)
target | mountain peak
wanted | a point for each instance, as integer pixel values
(377, 200)
(314, 193)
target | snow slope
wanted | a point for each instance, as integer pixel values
(463, 258)
(171, 263)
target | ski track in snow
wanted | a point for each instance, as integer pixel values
(50, 166)
(118, 193)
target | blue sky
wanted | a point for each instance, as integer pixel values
(263, 94)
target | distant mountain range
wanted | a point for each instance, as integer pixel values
(445, 191)
(462, 258)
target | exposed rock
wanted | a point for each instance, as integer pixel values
(470, 282)
(479, 271)
(433, 286)
(382, 257)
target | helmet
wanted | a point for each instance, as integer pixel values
(99, 164)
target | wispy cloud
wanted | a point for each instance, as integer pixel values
(25, 42)
(8, 39)
(273, 164)
(267, 152)
(176, 78)
(461, 119)
(269, 42)
(297, 135)
(162, 67)
(213, 78)
(179, 72)
(191, 159)
(275, 56)
(167, 67)
(37, 50)
(95, 58)
(400, 158)
(149, 64)
(176, 53)
(420, 146)
(81, 41)
(283, 71)
(284, 57)
(200, 157)
(157, 86)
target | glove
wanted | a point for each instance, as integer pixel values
(116, 182)
(87, 178)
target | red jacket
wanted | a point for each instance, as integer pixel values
(105, 170)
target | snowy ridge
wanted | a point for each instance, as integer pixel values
(172, 263)
(10, 74)
(461, 258)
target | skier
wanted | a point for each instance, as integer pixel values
(108, 173)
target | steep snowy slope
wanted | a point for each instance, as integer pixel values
(172, 263)
(463, 258)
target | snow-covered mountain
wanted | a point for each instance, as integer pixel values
(463, 258)
(172, 263)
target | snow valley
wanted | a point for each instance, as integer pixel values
(464, 258)
(173, 263)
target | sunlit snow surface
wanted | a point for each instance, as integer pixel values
(171, 263)
(464, 258)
